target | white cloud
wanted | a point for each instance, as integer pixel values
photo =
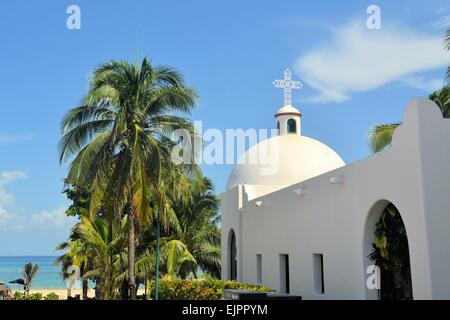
(441, 23)
(10, 219)
(7, 198)
(14, 138)
(9, 176)
(51, 219)
(44, 220)
(422, 83)
(356, 59)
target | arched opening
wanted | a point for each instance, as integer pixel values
(292, 126)
(278, 127)
(386, 247)
(232, 254)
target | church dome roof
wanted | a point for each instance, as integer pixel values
(288, 110)
(284, 160)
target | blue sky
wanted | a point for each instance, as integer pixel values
(230, 51)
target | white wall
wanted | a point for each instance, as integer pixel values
(336, 220)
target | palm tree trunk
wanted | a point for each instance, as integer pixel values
(131, 253)
(157, 257)
(85, 289)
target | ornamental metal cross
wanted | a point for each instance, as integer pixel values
(288, 85)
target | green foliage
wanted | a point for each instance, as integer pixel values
(18, 296)
(21, 296)
(51, 296)
(391, 254)
(208, 289)
(79, 195)
(29, 272)
(380, 136)
(119, 141)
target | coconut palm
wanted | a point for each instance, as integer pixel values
(380, 136)
(29, 272)
(119, 141)
(76, 254)
(107, 241)
(198, 229)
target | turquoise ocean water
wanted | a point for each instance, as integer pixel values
(48, 276)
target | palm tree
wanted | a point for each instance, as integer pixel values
(119, 141)
(77, 253)
(107, 242)
(29, 272)
(380, 136)
(199, 229)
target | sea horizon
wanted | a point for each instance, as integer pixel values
(48, 276)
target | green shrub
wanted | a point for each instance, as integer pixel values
(209, 289)
(34, 296)
(51, 296)
(18, 296)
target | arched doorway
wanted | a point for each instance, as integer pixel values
(386, 246)
(232, 256)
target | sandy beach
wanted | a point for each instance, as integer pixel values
(62, 293)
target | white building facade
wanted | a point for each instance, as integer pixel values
(307, 227)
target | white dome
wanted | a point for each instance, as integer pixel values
(288, 110)
(284, 160)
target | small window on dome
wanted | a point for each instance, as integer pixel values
(278, 126)
(292, 126)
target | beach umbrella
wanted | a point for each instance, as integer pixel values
(18, 281)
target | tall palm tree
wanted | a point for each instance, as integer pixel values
(380, 136)
(29, 272)
(119, 140)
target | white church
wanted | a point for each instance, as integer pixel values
(307, 228)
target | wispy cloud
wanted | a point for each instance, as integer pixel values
(14, 138)
(441, 23)
(13, 219)
(355, 59)
(7, 198)
(45, 220)
(55, 218)
(423, 83)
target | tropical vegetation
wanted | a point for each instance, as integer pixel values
(208, 289)
(29, 272)
(142, 215)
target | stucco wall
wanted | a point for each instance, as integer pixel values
(337, 220)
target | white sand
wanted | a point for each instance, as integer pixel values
(62, 293)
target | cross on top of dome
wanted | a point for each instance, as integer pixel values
(287, 84)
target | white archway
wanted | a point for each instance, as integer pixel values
(373, 218)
